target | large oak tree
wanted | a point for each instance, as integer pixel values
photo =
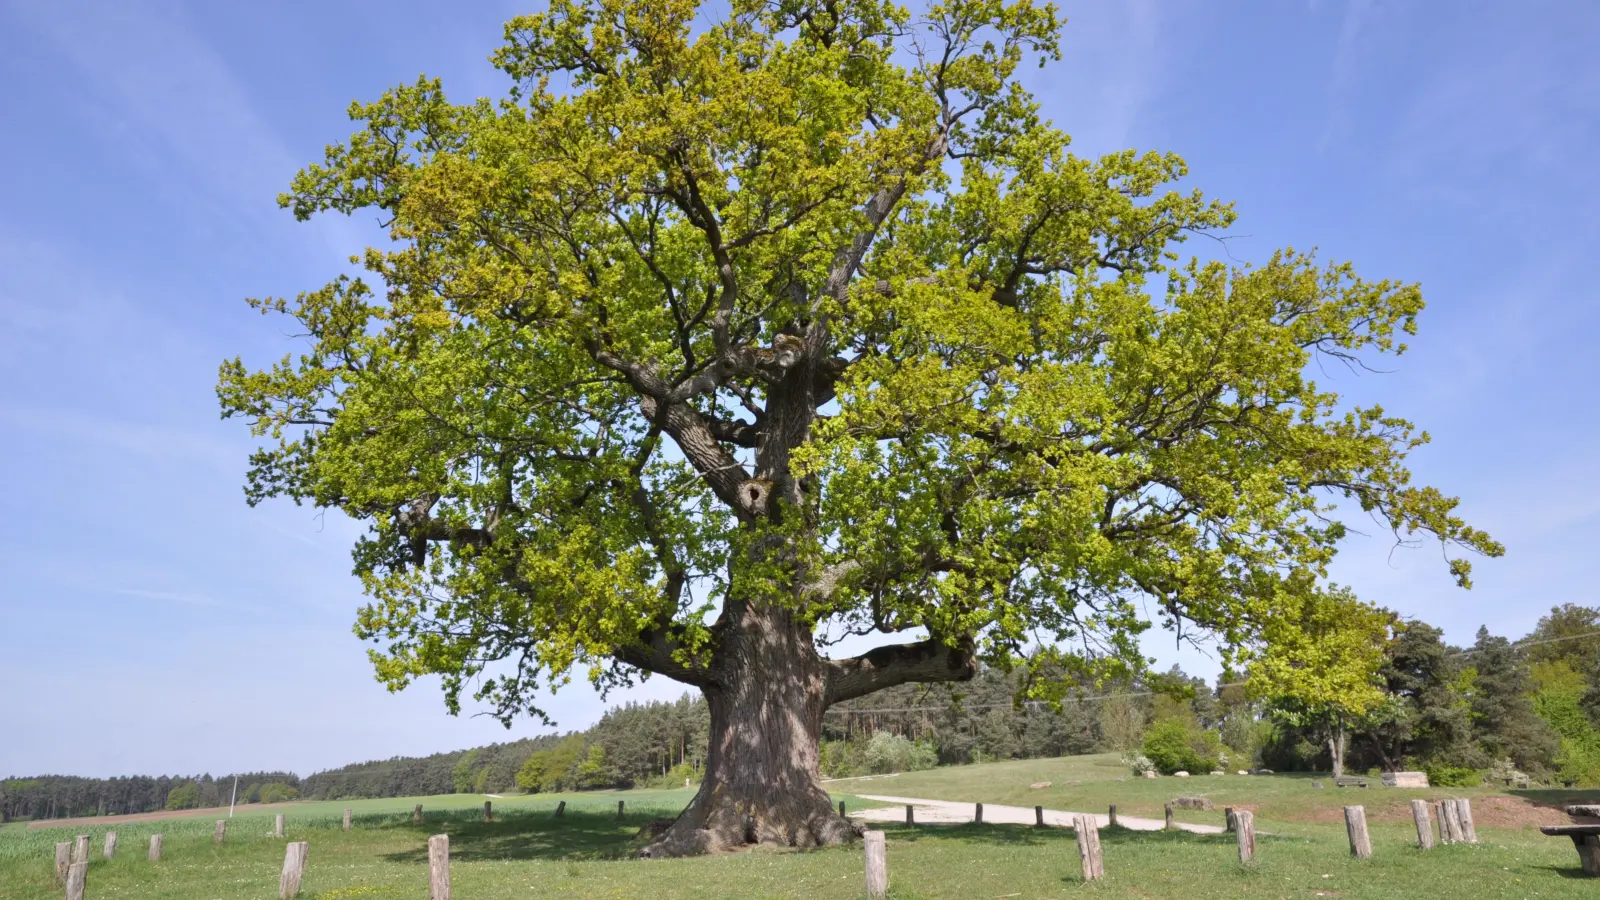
(715, 341)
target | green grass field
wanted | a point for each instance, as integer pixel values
(527, 853)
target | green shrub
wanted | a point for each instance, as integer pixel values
(888, 752)
(1177, 746)
(1440, 775)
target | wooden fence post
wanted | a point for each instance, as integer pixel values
(111, 845)
(439, 867)
(76, 874)
(63, 859)
(1441, 824)
(841, 809)
(488, 810)
(1088, 834)
(620, 808)
(294, 865)
(80, 849)
(877, 865)
(561, 809)
(277, 825)
(347, 818)
(1038, 817)
(1419, 813)
(1469, 832)
(1112, 817)
(1450, 829)
(1355, 822)
(1169, 817)
(977, 815)
(1227, 819)
(1244, 827)
(416, 815)
(155, 848)
(910, 819)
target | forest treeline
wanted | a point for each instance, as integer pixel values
(1518, 713)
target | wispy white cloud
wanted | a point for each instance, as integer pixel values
(166, 596)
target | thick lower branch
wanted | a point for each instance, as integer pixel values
(659, 652)
(931, 660)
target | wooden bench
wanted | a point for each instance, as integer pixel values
(1349, 782)
(1586, 838)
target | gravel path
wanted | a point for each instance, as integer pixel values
(947, 811)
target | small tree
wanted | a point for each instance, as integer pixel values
(731, 330)
(184, 796)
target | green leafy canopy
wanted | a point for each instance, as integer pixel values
(811, 308)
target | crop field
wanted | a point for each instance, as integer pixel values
(528, 853)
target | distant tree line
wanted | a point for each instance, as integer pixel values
(1509, 713)
(68, 796)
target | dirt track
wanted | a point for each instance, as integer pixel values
(216, 812)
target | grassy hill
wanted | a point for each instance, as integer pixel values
(527, 853)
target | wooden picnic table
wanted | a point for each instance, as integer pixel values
(1585, 838)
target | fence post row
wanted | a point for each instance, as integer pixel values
(1419, 814)
(977, 815)
(620, 808)
(910, 819)
(1038, 817)
(488, 810)
(1355, 822)
(877, 865)
(1088, 833)
(1169, 817)
(439, 867)
(1244, 827)
(561, 809)
(294, 864)
(1111, 820)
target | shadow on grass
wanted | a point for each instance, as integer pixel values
(1555, 798)
(577, 835)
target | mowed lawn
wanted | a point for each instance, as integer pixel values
(528, 853)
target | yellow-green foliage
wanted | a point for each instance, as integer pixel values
(806, 304)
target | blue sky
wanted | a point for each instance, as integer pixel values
(153, 623)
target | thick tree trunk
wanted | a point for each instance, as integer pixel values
(1336, 745)
(762, 783)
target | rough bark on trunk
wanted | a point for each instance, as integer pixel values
(1336, 746)
(762, 782)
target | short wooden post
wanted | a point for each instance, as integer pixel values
(561, 809)
(1227, 819)
(1089, 847)
(877, 865)
(1469, 832)
(80, 849)
(294, 865)
(1355, 822)
(488, 810)
(111, 845)
(439, 867)
(620, 808)
(1441, 823)
(76, 874)
(1419, 813)
(1244, 829)
(910, 818)
(277, 825)
(1038, 817)
(416, 815)
(1111, 817)
(347, 818)
(1450, 822)
(841, 809)
(63, 859)
(1169, 817)
(977, 815)
(155, 848)
(222, 829)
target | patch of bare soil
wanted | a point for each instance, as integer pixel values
(1493, 812)
(219, 812)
